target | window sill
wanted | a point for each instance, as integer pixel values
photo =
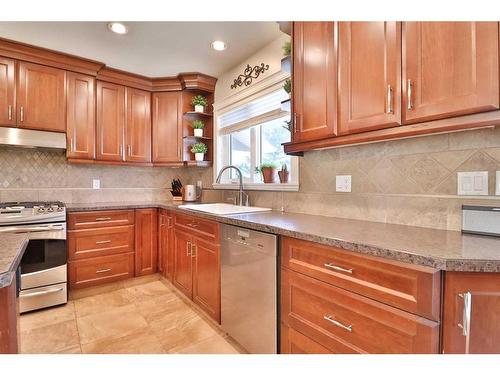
(259, 186)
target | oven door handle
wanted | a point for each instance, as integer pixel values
(31, 229)
(34, 294)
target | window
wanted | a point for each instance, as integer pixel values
(252, 133)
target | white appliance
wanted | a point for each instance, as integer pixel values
(481, 220)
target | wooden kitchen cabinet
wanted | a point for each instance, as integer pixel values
(138, 126)
(471, 314)
(7, 92)
(165, 250)
(369, 55)
(41, 97)
(293, 342)
(80, 123)
(110, 125)
(183, 265)
(449, 69)
(9, 319)
(146, 241)
(314, 80)
(167, 127)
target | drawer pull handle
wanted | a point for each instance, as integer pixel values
(192, 225)
(338, 324)
(337, 268)
(43, 292)
(102, 242)
(104, 270)
(188, 249)
(102, 218)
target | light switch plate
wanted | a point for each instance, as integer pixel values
(96, 184)
(472, 183)
(343, 184)
(498, 183)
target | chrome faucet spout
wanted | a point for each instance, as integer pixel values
(242, 196)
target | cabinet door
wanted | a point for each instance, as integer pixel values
(449, 69)
(314, 80)
(165, 258)
(293, 342)
(138, 128)
(7, 92)
(182, 276)
(41, 97)
(110, 121)
(80, 132)
(471, 318)
(369, 76)
(161, 241)
(146, 241)
(167, 127)
(206, 276)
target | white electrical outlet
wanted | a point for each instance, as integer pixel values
(343, 184)
(472, 183)
(498, 183)
(96, 184)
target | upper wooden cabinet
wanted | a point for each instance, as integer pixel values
(138, 128)
(449, 69)
(314, 80)
(167, 127)
(110, 121)
(80, 122)
(471, 313)
(7, 92)
(369, 66)
(41, 97)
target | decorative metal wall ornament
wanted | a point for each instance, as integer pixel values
(249, 74)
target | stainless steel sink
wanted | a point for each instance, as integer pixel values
(222, 208)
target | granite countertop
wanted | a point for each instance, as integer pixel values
(441, 249)
(12, 248)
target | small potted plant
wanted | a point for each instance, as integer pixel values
(283, 174)
(287, 86)
(287, 49)
(199, 150)
(198, 126)
(199, 103)
(267, 170)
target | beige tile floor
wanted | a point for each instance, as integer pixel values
(137, 316)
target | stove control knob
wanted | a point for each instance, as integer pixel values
(50, 209)
(41, 210)
(60, 209)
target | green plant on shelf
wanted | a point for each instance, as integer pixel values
(287, 48)
(199, 148)
(287, 86)
(264, 166)
(197, 124)
(199, 100)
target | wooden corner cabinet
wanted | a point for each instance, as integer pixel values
(165, 239)
(356, 82)
(167, 127)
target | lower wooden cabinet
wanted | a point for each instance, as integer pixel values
(146, 241)
(9, 319)
(100, 270)
(293, 342)
(196, 264)
(471, 314)
(165, 248)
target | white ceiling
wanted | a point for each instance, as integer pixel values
(153, 49)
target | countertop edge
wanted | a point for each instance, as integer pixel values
(7, 277)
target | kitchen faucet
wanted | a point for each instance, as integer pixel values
(242, 196)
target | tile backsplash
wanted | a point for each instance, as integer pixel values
(409, 181)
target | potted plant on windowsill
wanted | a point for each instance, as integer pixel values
(267, 170)
(199, 103)
(198, 126)
(283, 174)
(199, 150)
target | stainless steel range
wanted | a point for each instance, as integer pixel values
(43, 266)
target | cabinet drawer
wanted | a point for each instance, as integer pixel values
(409, 287)
(198, 226)
(345, 322)
(293, 342)
(96, 271)
(89, 243)
(99, 219)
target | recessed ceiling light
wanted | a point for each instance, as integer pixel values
(219, 45)
(118, 27)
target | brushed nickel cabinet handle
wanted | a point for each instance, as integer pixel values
(188, 249)
(337, 268)
(102, 242)
(169, 222)
(390, 110)
(466, 318)
(10, 112)
(21, 113)
(409, 88)
(194, 250)
(102, 218)
(103, 270)
(129, 150)
(295, 122)
(330, 319)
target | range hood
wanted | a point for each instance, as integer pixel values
(32, 138)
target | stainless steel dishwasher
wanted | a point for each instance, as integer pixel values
(249, 288)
